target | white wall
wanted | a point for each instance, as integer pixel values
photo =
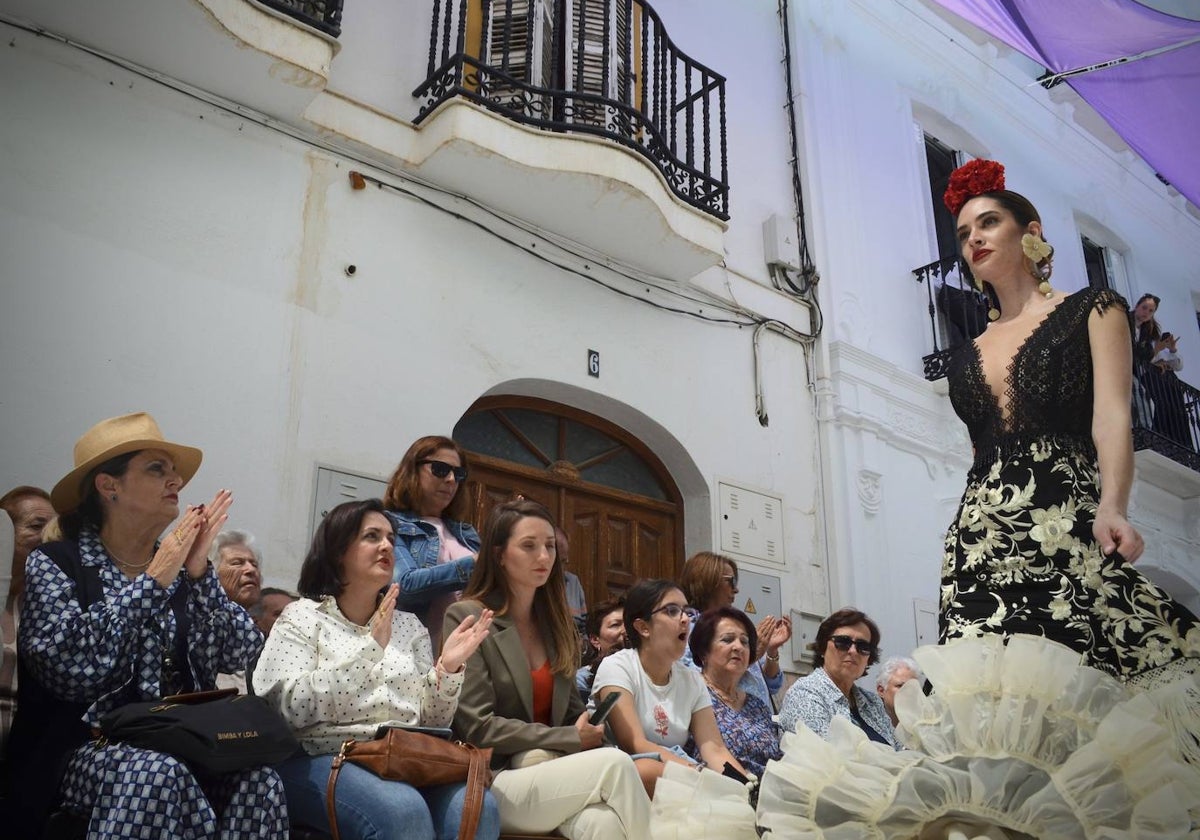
(867, 70)
(160, 254)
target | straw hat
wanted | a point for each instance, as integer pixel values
(113, 437)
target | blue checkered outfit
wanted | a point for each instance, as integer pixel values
(112, 654)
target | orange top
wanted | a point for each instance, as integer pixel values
(543, 693)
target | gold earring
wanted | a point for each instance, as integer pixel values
(1041, 257)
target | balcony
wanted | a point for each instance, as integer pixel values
(1166, 410)
(325, 15)
(596, 125)
(272, 55)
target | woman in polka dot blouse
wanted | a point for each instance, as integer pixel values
(342, 661)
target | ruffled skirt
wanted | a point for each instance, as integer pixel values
(1017, 741)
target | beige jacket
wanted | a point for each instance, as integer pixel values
(496, 704)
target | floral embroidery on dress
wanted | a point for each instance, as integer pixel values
(1020, 556)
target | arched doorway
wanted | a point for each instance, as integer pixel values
(617, 502)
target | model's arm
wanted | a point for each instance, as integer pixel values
(1108, 334)
(420, 583)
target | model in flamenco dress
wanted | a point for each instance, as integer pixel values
(1066, 694)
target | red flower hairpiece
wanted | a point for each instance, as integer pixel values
(975, 177)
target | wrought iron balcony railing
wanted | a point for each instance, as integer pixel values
(1166, 415)
(1166, 411)
(600, 67)
(957, 313)
(325, 15)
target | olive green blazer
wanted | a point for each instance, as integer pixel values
(495, 706)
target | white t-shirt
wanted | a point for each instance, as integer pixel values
(665, 711)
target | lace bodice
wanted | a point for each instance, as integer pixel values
(1048, 388)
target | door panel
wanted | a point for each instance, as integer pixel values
(613, 542)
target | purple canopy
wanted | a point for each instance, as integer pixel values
(1151, 97)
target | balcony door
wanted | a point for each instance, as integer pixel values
(616, 501)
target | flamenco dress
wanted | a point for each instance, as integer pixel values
(1066, 694)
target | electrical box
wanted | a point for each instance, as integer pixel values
(335, 486)
(751, 523)
(758, 595)
(780, 245)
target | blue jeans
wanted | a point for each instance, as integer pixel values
(371, 808)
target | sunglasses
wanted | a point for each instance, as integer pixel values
(843, 643)
(673, 611)
(441, 469)
(731, 580)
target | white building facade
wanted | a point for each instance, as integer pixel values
(217, 213)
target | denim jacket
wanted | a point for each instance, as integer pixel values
(417, 569)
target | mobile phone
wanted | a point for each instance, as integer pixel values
(435, 731)
(604, 707)
(733, 773)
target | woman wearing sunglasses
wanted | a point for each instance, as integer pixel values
(662, 702)
(847, 644)
(435, 546)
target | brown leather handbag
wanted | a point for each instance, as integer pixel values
(420, 760)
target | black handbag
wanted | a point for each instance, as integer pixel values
(213, 731)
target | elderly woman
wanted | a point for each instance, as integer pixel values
(520, 697)
(343, 661)
(113, 616)
(723, 641)
(710, 581)
(893, 674)
(435, 545)
(605, 633)
(663, 703)
(847, 644)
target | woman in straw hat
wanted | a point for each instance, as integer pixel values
(114, 614)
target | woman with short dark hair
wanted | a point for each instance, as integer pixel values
(847, 644)
(343, 661)
(723, 642)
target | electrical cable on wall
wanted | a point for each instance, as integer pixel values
(801, 289)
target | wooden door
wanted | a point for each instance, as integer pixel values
(617, 537)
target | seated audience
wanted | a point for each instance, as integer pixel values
(847, 644)
(269, 607)
(723, 641)
(428, 504)
(113, 615)
(663, 703)
(605, 631)
(29, 509)
(520, 698)
(710, 581)
(238, 562)
(342, 662)
(894, 673)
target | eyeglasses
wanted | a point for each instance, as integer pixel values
(673, 611)
(441, 469)
(731, 580)
(843, 644)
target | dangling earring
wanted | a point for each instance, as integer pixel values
(1041, 258)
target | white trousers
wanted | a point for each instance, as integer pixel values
(592, 795)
